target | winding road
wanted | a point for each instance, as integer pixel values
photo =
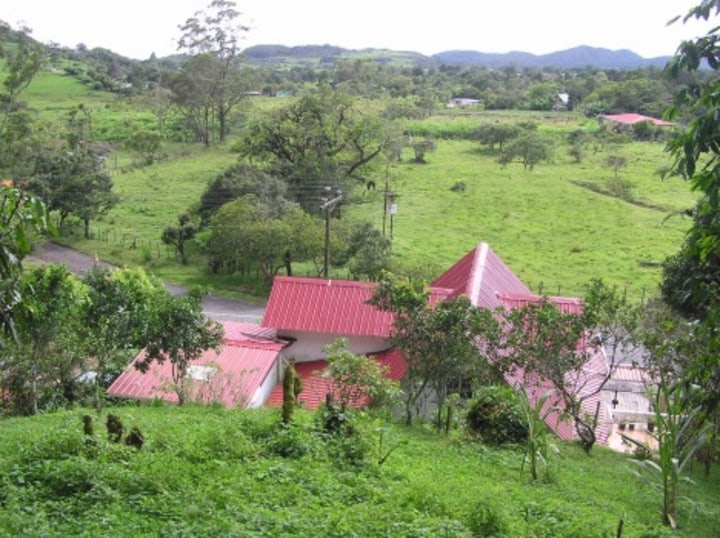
(215, 307)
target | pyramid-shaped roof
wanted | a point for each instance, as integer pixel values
(483, 277)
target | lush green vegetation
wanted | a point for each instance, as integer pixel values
(570, 202)
(207, 471)
(557, 226)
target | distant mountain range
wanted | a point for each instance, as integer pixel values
(578, 57)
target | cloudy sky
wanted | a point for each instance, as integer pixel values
(137, 28)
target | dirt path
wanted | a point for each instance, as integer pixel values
(215, 307)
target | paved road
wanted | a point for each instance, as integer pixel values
(215, 307)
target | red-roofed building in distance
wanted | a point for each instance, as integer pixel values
(630, 119)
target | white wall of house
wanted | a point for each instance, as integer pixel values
(262, 393)
(308, 346)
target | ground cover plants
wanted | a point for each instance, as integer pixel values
(209, 471)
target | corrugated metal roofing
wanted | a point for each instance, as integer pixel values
(566, 305)
(316, 386)
(588, 389)
(235, 373)
(483, 277)
(325, 306)
(631, 373)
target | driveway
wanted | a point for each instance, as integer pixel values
(215, 307)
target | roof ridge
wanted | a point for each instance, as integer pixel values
(313, 281)
(478, 269)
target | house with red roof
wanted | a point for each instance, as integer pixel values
(243, 373)
(311, 313)
(489, 283)
(631, 118)
(303, 315)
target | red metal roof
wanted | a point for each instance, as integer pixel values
(316, 386)
(231, 376)
(566, 305)
(632, 118)
(489, 283)
(483, 277)
(325, 306)
(586, 384)
(632, 373)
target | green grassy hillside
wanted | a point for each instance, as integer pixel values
(206, 471)
(551, 231)
(557, 226)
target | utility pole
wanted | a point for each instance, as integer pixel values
(328, 207)
(389, 207)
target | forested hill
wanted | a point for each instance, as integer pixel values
(577, 57)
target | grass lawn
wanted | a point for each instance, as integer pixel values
(207, 471)
(555, 226)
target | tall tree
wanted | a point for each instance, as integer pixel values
(547, 344)
(178, 235)
(245, 233)
(23, 58)
(448, 347)
(213, 36)
(21, 215)
(118, 315)
(320, 140)
(530, 148)
(69, 174)
(691, 280)
(239, 180)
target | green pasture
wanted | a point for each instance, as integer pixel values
(557, 226)
(208, 471)
(545, 223)
(554, 234)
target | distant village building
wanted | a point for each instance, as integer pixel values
(562, 101)
(463, 102)
(630, 119)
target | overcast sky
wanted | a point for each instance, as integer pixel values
(137, 28)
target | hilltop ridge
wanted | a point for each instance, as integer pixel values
(576, 57)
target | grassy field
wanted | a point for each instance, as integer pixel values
(556, 225)
(553, 230)
(206, 471)
(555, 234)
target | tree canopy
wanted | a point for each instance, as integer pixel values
(322, 139)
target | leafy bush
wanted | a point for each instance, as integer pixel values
(290, 441)
(494, 415)
(484, 520)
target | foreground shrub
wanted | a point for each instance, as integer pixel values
(495, 416)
